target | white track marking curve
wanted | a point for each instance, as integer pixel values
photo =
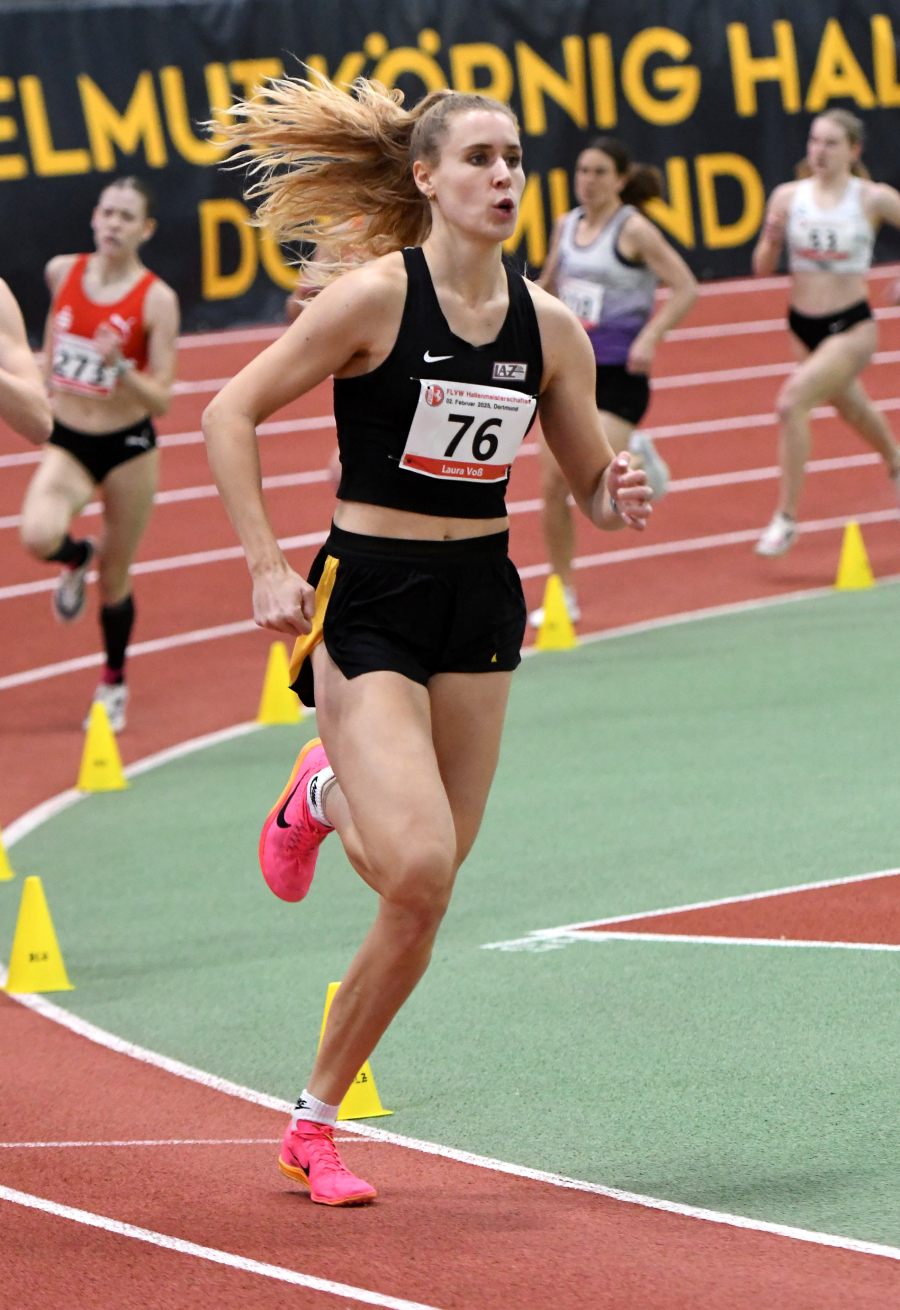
(208, 1253)
(29, 821)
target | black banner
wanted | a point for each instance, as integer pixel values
(718, 96)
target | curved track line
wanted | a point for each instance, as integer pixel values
(47, 1009)
(209, 1253)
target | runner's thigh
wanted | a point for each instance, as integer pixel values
(376, 730)
(128, 492)
(467, 713)
(59, 490)
(832, 365)
(616, 430)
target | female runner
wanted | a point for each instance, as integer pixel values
(829, 220)
(23, 400)
(605, 262)
(410, 625)
(110, 349)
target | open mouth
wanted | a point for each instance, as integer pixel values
(506, 207)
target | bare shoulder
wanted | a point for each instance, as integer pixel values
(57, 270)
(879, 199)
(161, 307)
(376, 285)
(782, 196)
(10, 314)
(642, 232)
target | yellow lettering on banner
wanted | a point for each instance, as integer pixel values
(884, 57)
(464, 59)
(717, 235)
(685, 82)
(419, 62)
(347, 70)
(603, 78)
(107, 127)
(46, 160)
(537, 79)
(781, 67)
(837, 73)
(558, 182)
(216, 284)
(677, 217)
(12, 167)
(251, 74)
(532, 224)
(196, 150)
(282, 274)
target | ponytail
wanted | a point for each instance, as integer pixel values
(337, 169)
(643, 181)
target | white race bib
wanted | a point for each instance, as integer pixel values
(825, 240)
(584, 298)
(79, 366)
(466, 433)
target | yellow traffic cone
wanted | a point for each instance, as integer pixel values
(278, 704)
(362, 1100)
(854, 570)
(101, 764)
(556, 631)
(6, 870)
(36, 963)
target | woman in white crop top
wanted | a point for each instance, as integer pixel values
(829, 221)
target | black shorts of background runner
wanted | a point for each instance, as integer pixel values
(624, 394)
(813, 329)
(100, 453)
(414, 607)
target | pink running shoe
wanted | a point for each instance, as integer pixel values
(309, 1156)
(291, 837)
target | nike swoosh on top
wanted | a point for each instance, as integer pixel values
(433, 359)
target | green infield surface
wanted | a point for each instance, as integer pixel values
(746, 752)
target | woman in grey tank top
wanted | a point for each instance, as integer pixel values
(605, 262)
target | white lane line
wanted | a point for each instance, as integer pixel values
(208, 1253)
(195, 438)
(577, 930)
(752, 327)
(741, 286)
(33, 818)
(57, 1014)
(728, 941)
(156, 1141)
(231, 336)
(529, 571)
(750, 372)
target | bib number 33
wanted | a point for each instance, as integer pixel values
(464, 432)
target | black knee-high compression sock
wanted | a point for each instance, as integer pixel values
(116, 622)
(73, 553)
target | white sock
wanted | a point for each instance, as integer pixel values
(314, 1111)
(319, 786)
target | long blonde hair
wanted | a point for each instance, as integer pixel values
(337, 169)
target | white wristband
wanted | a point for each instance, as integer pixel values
(123, 366)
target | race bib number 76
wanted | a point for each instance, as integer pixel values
(465, 432)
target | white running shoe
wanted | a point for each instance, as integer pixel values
(536, 617)
(657, 469)
(778, 537)
(114, 696)
(70, 595)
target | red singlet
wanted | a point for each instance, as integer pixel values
(77, 363)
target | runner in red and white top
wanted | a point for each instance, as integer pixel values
(110, 364)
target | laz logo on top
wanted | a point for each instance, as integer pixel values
(462, 431)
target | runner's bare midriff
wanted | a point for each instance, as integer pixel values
(379, 521)
(822, 293)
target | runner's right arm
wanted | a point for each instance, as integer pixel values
(23, 399)
(771, 240)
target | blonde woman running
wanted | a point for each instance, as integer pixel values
(410, 625)
(110, 357)
(605, 262)
(829, 221)
(23, 399)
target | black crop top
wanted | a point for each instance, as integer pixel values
(435, 427)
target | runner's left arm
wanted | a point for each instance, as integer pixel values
(640, 239)
(606, 488)
(887, 208)
(23, 397)
(153, 385)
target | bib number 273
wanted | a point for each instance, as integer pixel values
(464, 432)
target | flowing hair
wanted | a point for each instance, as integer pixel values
(337, 169)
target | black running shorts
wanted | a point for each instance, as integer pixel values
(624, 394)
(100, 453)
(813, 329)
(413, 607)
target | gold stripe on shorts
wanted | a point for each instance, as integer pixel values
(304, 646)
